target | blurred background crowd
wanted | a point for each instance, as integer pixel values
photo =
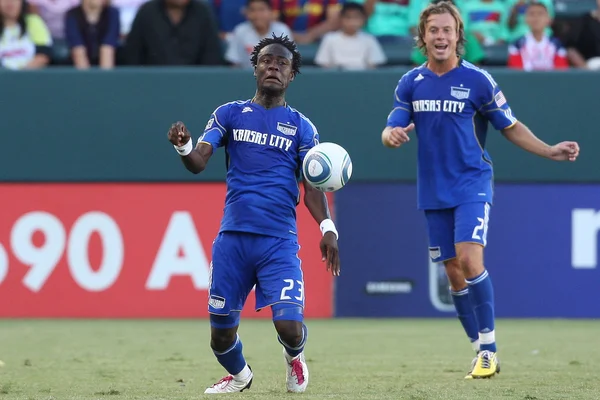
(342, 34)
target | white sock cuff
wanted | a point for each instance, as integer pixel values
(480, 278)
(243, 374)
(487, 338)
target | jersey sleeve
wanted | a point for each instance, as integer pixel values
(401, 114)
(309, 138)
(493, 105)
(215, 131)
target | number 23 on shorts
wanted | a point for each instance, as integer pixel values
(293, 288)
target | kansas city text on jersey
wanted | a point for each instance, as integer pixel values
(264, 139)
(438, 105)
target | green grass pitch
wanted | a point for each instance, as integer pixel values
(348, 359)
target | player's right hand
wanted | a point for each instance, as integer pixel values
(398, 136)
(178, 134)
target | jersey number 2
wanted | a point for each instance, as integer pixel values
(290, 286)
(478, 228)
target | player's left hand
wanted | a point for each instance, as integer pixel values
(564, 151)
(330, 253)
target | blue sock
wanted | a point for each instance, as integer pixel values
(294, 351)
(232, 359)
(466, 315)
(481, 293)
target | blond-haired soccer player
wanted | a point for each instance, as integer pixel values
(450, 102)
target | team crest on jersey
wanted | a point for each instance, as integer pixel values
(286, 129)
(459, 93)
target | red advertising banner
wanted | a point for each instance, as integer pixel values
(124, 250)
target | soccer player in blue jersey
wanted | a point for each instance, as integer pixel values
(450, 102)
(265, 142)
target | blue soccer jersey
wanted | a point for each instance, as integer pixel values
(264, 151)
(451, 114)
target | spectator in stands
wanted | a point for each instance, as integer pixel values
(92, 32)
(517, 24)
(53, 13)
(127, 11)
(390, 20)
(350, 48)
(25, 42)
(308, 19)
(228, 14)
(537, 51)
(246, 35)
(487, 20)
(584, 42)
(174, 32)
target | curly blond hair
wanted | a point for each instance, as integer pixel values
(441, 7)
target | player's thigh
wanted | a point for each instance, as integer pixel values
(279, 275)
(231, 275)
(440, 229)
(471, 223)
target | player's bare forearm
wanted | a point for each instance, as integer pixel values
(316, 203)
(520, 135)
(197, 160)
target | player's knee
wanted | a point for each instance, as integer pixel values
(223, 331)
(455, 274)
(470, 259)
(222, 339)
(290, 332)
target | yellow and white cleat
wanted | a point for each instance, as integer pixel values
(469, 376)
(486, 365)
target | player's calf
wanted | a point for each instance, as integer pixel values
(227, 347)
(481, 292)
(292, 334)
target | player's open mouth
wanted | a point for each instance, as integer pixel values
(272, 79)
(441, 46)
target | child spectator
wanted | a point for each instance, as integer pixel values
(537, 50)
(246, 35)
(92, 32)
(350, 48)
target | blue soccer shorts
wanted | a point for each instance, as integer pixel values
(466, 223)
(242, 260)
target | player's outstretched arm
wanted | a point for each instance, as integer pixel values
(396, 136)
(522, 136)
(194, 159)
(316, 202)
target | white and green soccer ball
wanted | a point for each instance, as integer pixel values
(327, 167)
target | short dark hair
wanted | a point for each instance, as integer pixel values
(351, 6)
(267, 2)
(285, 42)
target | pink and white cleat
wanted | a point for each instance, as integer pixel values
(231, 384)
(297, 372)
